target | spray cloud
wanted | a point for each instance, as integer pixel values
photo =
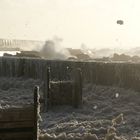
(52, 49)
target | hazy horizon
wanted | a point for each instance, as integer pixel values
(92, 22)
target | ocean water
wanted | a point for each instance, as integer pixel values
(9, 52)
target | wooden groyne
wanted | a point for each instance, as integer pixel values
(20, 123)
(113, 74)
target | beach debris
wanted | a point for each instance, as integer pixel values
(111, 129)
(117, 120)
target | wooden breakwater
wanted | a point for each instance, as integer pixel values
(62, 92)
(113, 74)
(20, 123)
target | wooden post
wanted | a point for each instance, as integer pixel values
(47, 97)
(36, 104)
(77, 93)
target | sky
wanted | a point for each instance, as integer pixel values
(76, 22)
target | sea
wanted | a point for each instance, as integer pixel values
(9, 52)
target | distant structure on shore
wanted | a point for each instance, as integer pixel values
(17, 45)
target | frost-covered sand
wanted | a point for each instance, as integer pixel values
(16, 91)
(100, 105)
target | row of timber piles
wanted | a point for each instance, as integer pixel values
(117, 74)
(34, 68)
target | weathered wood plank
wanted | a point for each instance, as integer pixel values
(61, 92)
(16, 130)
(77, 94)
(16, 136)
(36, 112)
(47, 96)
(17, 109)
(16, 124)
(16, 115)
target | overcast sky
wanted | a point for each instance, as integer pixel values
(92, 22)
